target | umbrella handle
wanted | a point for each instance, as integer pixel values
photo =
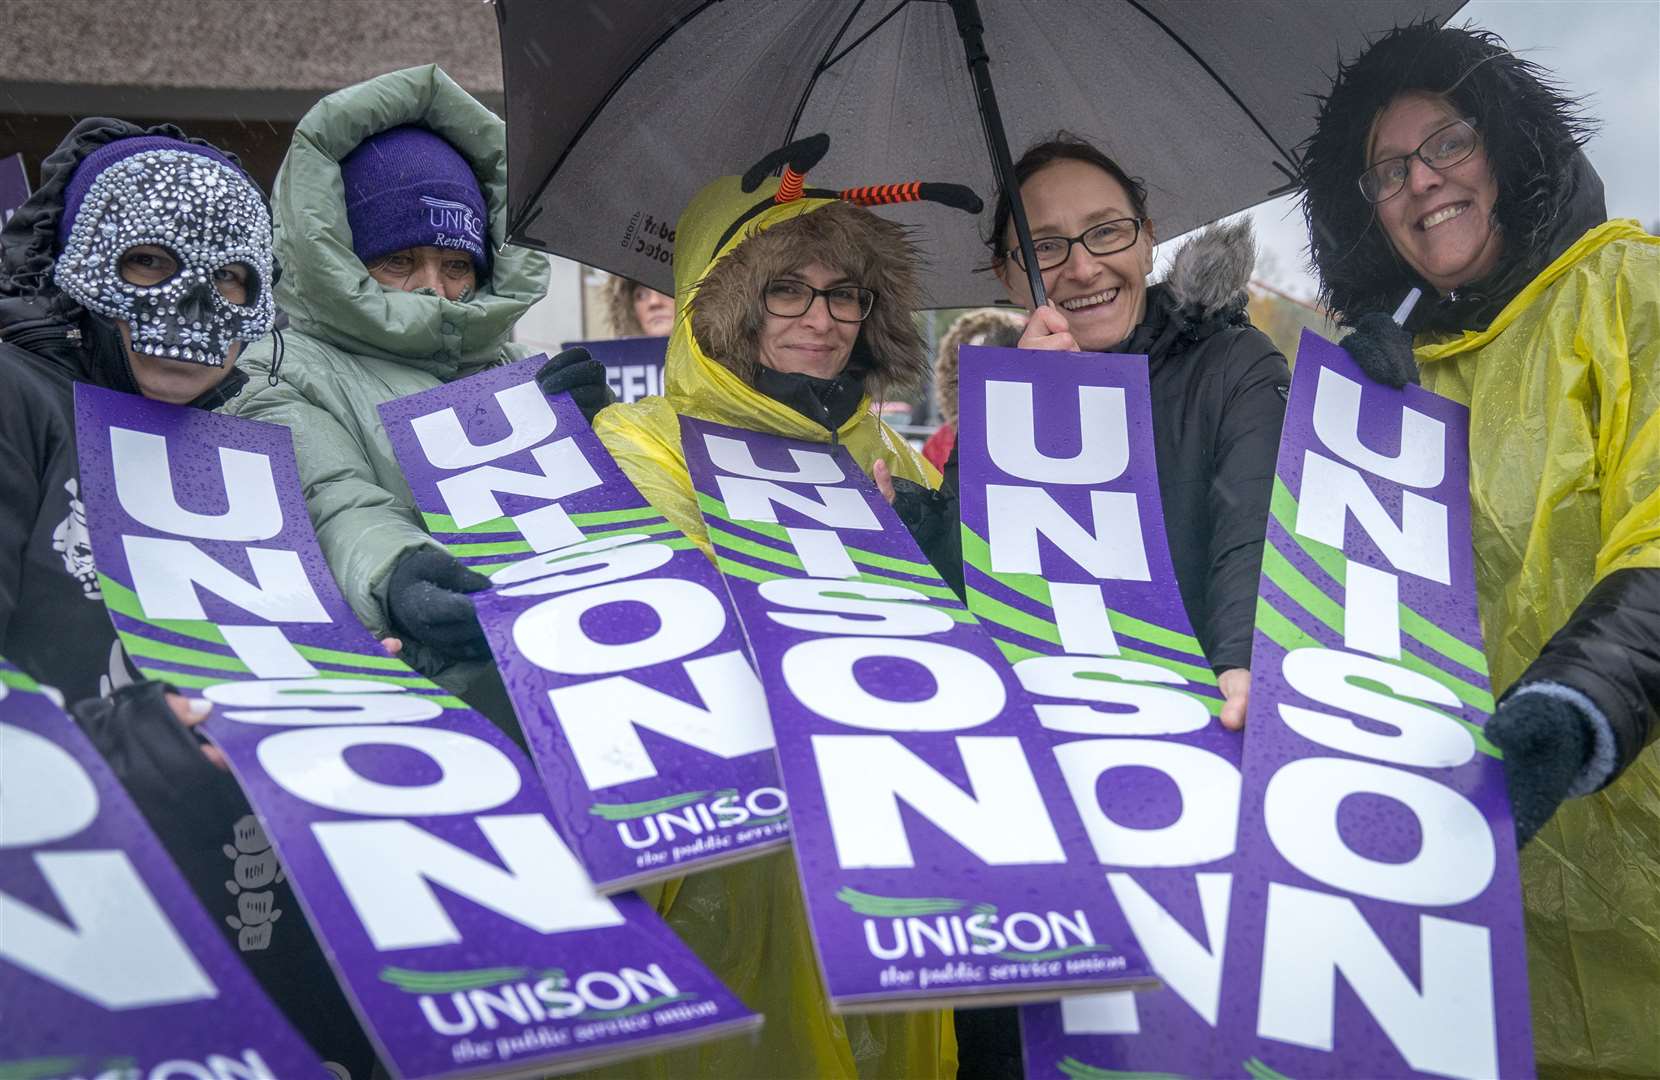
(972, 30)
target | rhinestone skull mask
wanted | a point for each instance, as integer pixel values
(208, 216)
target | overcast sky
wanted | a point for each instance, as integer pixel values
(1606, 51)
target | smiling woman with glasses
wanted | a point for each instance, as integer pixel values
(1218, 385)
(1543, 318)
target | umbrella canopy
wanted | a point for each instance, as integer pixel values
(619, 111)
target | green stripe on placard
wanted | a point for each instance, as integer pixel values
(17, 680)
(1281, 630)
(1035, 588)
(766, 553)
(609, 517)
(1078, 1070)
(644, 1006)
(712, 506)
(993, 610)
(864, 903)
(1289, 636)
(1284, 509)
(733, 568)
(499, 547)
(444, 523)
(38, 1068)
(122, 600)
(754, 550)
(143, 648)
(1309, 597)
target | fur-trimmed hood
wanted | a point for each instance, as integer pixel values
(727, 314)
(1548, 195)
(1204, 293)
(987, 326)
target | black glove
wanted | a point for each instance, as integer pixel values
(160, 763)
(577, 373)
(1546, 743)
(934, 520)
(427, 596)
(1383, 349)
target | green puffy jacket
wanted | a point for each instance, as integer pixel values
(353, 345)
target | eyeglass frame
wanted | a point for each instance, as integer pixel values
(813, 299)
(1418, 152)
(1015, 254)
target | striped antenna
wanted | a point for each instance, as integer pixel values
(790, 187)
(882, 194)
(954, 195)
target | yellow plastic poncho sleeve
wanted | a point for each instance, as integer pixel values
(1564, 397)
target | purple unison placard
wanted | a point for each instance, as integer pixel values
(109, 966)
(633, 366)
(940, 856)
(615, 636)
(1378, 925)
(14, 186)
(416, 835)
(1067, 564)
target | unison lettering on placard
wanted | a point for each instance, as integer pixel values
(1066, 562)
(1375, 825)
(924, 807)
(615, 637)
(104, 953)
(416, 839)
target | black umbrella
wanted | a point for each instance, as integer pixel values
(618, 111)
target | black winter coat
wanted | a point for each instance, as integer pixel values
(54, 626)
(1219, 389)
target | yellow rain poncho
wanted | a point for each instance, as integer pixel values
(747, 922)
(1564, 396)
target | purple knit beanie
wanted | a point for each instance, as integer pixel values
(111, 153)
(407, 187)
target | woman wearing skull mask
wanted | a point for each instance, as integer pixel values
(88, 294)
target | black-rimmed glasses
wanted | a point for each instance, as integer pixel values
(1107, 238)
(1446, 146)
(847, 303)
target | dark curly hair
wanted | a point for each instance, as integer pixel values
(1531, 129)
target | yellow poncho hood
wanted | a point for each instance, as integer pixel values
(710, 277)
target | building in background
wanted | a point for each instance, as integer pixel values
(241, 75)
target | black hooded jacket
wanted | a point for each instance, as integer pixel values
(1219, 389)
(54, 626)
(1549, 196)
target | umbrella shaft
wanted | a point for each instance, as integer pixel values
(971, 30)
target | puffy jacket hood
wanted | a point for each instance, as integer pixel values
(1203, 294)
(1548, 194)
(326, 290)
(711, 364)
